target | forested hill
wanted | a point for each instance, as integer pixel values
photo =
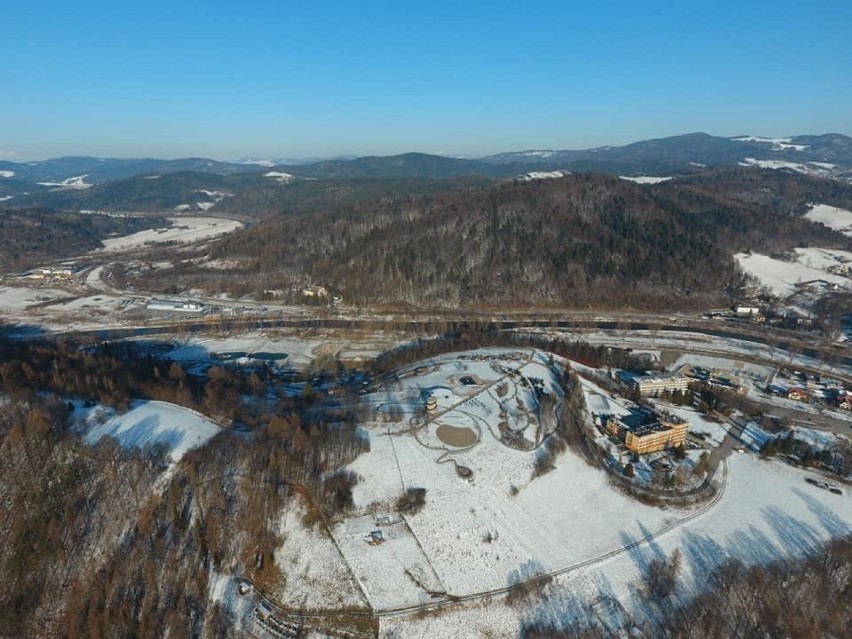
(580, 241)
(29, 237)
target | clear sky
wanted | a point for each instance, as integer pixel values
(318, 78)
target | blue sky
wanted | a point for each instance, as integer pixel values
(290, 79)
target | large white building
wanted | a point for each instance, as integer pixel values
(652, 386)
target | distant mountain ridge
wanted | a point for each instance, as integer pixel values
(68, 182)
(683, 153)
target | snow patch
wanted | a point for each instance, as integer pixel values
(782, 276)
(216, 195)
(266, 163)
(542, 175)
(183, 230)
(808, 168)
(757, 138)
(153, 423)
(283, 178)
(537, 154)
(778, 144)
(832, 217)
(644, 179)
(77, 182)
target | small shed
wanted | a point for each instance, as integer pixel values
(375, 537)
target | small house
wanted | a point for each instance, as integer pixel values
(798, 394)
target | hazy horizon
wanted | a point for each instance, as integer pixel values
(250, 159)
(268, 80)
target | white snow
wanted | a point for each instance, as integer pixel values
(221, 263)
(767, 511)
(317, 575)
(543, 175)
(7, 174)
(715, 432)
(150, 423)
(223, 590)
(756, 138)
(293, 351)
(791, 147)
(283, 178)
(832, 217)
(17, 299)
(216, 195)
(94, 305)
(778, 144)
(645, 179)
(77, 182)
(808, 168)
(775, 164)
(182, 230)
(266, 163)
(538, 154)
(817, 438)
(781, 276)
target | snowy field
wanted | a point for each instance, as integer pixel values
(767, 511)
(273, 347)
(316, 575)
(150, 423)
(244, 349)
(808, 168)
(778, 144)
(73, 183)
(645, 179)
(15, 300)
(817, 438)
(182, 230)
(781, 276)
(832, 217)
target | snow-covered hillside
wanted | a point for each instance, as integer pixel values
(78, 182)
(151, 423)
(644, 179)
(182, 230)
(777, 144)
(833, 217)
(782, 277)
